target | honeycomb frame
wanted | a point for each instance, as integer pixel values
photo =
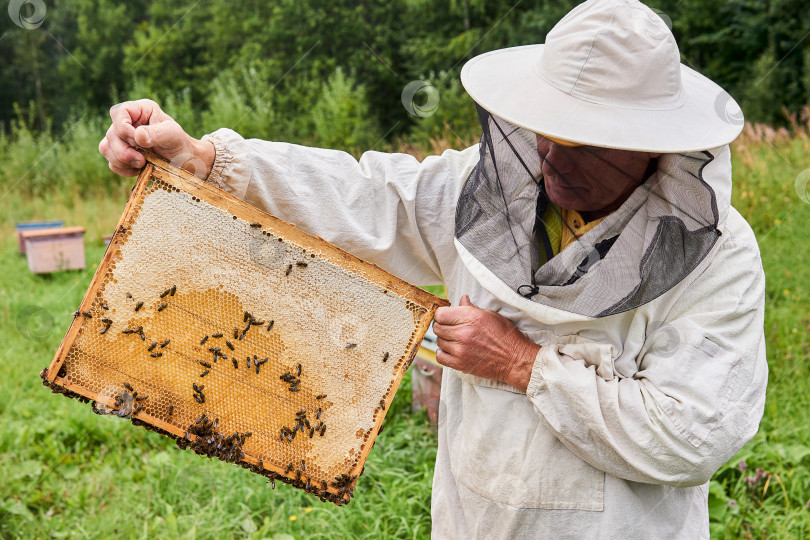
(340, 386)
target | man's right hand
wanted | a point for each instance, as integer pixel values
(142, 123)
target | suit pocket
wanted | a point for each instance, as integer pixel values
(504, 452)
(516, 459)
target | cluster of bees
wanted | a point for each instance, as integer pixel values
(207, 440)
(212, 443)
(302, 424)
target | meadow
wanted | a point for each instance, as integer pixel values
(68, 473)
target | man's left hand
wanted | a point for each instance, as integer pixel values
(483, 343)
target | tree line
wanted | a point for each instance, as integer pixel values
(335, 72)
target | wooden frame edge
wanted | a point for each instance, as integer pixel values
(95, 283)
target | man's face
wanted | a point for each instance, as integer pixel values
(588, 178)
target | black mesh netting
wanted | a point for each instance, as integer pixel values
(506, 220)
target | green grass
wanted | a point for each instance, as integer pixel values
(69, 473)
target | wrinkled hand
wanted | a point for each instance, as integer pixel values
(484, 343)
(142, 123)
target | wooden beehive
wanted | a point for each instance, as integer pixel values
(32, 225)
(54, 249)
(241, 336)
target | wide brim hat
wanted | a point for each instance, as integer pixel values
(609, 75)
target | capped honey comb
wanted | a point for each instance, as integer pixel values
(240, 336)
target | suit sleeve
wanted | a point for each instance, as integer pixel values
(389, 209)
(698, 394)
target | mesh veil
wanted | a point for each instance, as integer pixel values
(650, 243)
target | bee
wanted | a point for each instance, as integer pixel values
(138, 306)
(165, 293)
(299, 370)
(152, 347)
(141, 398)
(215, 349)
(122, 229)
(143, 336)
(137, 410)
(198, 388)
(171, 409)
(204, 373)
(257, 366)
(272, 483)
(76, 313)
(235, 363)
(127, 331)
(199, 398)
(382, 427)
(303, 465)
(156, 354)
(129, 296)
(323, 429)
(311, 432)
(248, 362)
(229, 344)
(235, 333)
(202, 342)
(385, 357)
(104, 306)
(86, 314)
(320, 396)
(174, 290)
(270, 325)
(301, 264)
(162, 306)
(294, 389)
(382, 404)
(246, 317)
(104, 330)
(205, 364)
(200, 419)
(217, 335)
(289, 269)
(325, 485)
(288, 469)
(164, 343)
(106, 321)
(318, 416)
(307, 486)
(129, 387)
(255, 225)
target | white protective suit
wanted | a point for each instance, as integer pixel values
(623, 422)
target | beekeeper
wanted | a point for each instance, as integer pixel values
(606, 347)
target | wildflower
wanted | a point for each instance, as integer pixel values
(742, 466)
(293, 518)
